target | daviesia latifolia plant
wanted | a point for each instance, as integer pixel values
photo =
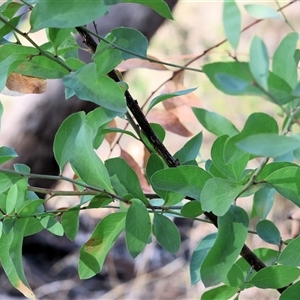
(181, 185)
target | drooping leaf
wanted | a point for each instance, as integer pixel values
(163, 97)
(70, 223)
(232, 22)
(190, 150)
(218, 200)
(198, 256)
(262, 202)
(87, 163)
(191, 209)
(259, 62)
(220, 292)
(89, 85)
(290, 254)
(274, 277)
(166, 233)
(261, 11)
(69, 13)
(233, 228)
(186, 180)
(268, 144)
(94, 251)
(137, 227)
(127, 177)
(268, 232)
(65, 138)
(284, 64)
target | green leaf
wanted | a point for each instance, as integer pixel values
(163, 97)
(290, 254)
(186, 180)
(89, 85)
(57, 36)
(11, 199)
(7, 180)
(279, 91)
(262, 202)
(232, 22)
(260, 11)
(11, 257)
(87, 163)
(214, 122)
(235, 277)
(159, 6)
(132, 40)
(274, 277)
(191, 209)
(6, 153)
(7, 28)
(166, 233)
(69, 13)
(65, 138)
(268, 144)
(231, 83)
(292, 292)
(127, 177)
(70, 223)
(232, 233)
(94, 251)
(220, 292)
(9, 9)
(137, 227)
(198, 256)
(268, 232)
(107, 57)
(237, 161)
(52, 225)
(30, 207)
(190, 150)
(259, 62)
(284, 64)
(218, 200)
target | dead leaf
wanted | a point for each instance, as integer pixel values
(24, 289)
(168, 121)
(110, 137)
(134, 165)
(26, 84)
(134, 63)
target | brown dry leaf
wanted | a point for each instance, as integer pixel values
(110, 137)
(24, 289)
(134, 63)
(75, 189)
(134, 165)
(26, 84)
(168, 121)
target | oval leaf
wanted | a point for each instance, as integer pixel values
(268, 232)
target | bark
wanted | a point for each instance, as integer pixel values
(34, 140)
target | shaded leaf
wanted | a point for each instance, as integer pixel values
(268, 232)
(220, 292)
(191, 209)
(262, 202)
(70, 223)
(232, 233)
(6, 153)
(292, 292)
(137, 227)
(166, 233)
(199, 255)
(259, 62)
(52, 225)
(94, 251)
